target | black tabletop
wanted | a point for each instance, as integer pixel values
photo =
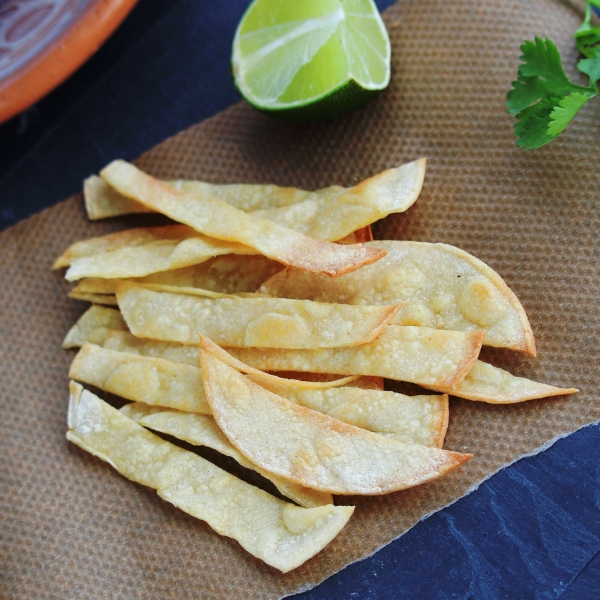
(531, 531)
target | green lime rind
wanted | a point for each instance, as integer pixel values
(347, 98)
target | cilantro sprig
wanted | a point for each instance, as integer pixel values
(543, 98)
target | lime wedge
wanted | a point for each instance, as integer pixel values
(310, 60)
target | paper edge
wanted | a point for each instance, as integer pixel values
(473, 488)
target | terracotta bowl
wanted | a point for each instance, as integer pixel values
(43, 41)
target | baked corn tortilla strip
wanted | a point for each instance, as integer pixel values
(153, 381)
(139, 261)
(103, 299)
(428, 357)
(220, 220)
(486, 383)
(255, 321)
(102, 201)
(122, 341)
(310, 448)
(409, 419)
(202, 430)
(228, 274)
(93, 326)
(140, 236)
(279, 533)
(328, 214)
(365, 382)
(441, 287)
(96, 285)
(332, 218)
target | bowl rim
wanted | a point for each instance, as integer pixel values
(64, 55)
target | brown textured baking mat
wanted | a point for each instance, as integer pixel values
(71, 527)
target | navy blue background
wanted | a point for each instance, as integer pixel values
(530, 532)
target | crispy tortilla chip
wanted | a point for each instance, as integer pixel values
(333, 218)
(221, 220)
(139, 236)
(428, 357)
(96, 285)
(241, 322)
(486, 383)
(150, 380)
(441, 287)
(412, 420)
(329, 214)
(310, 448)
(102, 201)
(93, 326)
(365, 382)
(229, 274)
(104, 299)
(202, 430)
(123, 341)
(139, 261)
(281, 534)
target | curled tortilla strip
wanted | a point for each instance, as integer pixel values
(139, 261)
(281, 534)
(332, 218)
(103, 299)
(153, 381)
(428, 357)
(102, 201)
(255, 322)
(202, 430)
(365, 382)
(486, 383)
(229, 274)
(96, 285)
(441, 286)
(125, 342)
(129, 238)
(93, 326)
(220, 220)
(409, 419)
(328, 214)
(310, 448)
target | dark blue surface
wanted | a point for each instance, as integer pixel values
(530, 532)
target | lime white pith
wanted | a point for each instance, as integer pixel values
(289, 54)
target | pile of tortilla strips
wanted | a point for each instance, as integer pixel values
(256, 279)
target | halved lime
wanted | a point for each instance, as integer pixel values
(309, 60)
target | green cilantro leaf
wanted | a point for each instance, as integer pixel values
(543, 98)
(591, 67)
(587, 37)
(542, 60)
(526, 91)
(532, 124)
(562, 114)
